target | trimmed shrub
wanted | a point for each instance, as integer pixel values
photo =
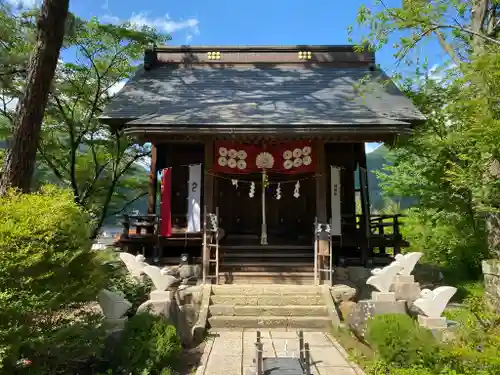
(48, 275)
(400, 342)
(148, 344)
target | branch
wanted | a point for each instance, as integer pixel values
(127, 204)
(73, 147)
(469, 31)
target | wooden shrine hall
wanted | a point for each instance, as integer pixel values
(256, 151)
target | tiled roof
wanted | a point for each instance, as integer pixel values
(260, 94)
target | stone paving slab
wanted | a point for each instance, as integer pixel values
(232, 352)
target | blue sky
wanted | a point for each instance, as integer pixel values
(257, 22)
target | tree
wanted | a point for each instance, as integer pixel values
(20, 158)
(447, 163)
(99, 164)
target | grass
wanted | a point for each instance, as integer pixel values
(358, 351)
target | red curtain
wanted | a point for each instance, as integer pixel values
(287, 157)
(165, 204)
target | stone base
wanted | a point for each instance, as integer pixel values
(408, 291)
(432, 323)
(383, 296)
(367, 309)
(114, 325)
(404, 279)
(161, 295)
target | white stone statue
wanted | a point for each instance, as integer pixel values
(113, 304)
(408, 261)
(161, 279)
(382, 279)
(433, 302)
(134, 264)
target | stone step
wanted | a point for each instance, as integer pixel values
(244, 290)
(314, 323)
(256, 275)
(266, 254)
(263, 310)
(268, 300)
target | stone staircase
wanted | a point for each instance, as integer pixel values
(269, 306)
(266, 265)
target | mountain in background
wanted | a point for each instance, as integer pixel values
(375, 161)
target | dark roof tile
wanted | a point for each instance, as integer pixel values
(260, 95)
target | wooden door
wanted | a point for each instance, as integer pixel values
(240, 213)
(290, 219)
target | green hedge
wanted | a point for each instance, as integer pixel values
(47, 273)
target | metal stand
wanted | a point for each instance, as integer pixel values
(211, 246)
(320, 232)
(283, 365)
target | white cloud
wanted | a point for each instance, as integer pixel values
(165, 23)
(116, 87)
(370, 147)
(23, 3)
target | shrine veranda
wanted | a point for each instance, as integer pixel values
(256, 151)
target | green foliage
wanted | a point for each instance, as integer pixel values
(120, 280)
(48, 275)
(148, 345)
(473, 349)
(98, 163)
(399, 342)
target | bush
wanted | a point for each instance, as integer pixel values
(148, 344)
(120, 280)
(399, 342)
(48, 274)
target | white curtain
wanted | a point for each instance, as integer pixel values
(335, 199)
(194, 189)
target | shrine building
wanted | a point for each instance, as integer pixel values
(256, 151)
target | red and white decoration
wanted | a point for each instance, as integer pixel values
(289, 157)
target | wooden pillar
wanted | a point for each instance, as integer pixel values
(208, 189)
(321, 200)
(208, 199)
(153, 180)
(365, 203)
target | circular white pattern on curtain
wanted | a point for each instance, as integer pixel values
(297, 153)
(287, 154)
(264, 160)
(241, 164)
(297, 162)
(222, 151)
(231, 163)
(288, 164)
(232, 153)
(306, 151)
(242, 154)
(306, 160)
(222, 161)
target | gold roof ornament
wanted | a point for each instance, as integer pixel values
(305, 55)
(214, 55)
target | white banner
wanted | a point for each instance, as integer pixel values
(194, 189)
(335, 199)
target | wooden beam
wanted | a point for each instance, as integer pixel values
(208, 193)
(365, 202)
(153, 180)
(321, 200)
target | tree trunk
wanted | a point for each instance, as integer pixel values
(19, 163)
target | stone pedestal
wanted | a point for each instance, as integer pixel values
(114, 325)
(161, 295)
(406, 288)
(383, 296)
(404, 279)
(367, 309)
(432, 323)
